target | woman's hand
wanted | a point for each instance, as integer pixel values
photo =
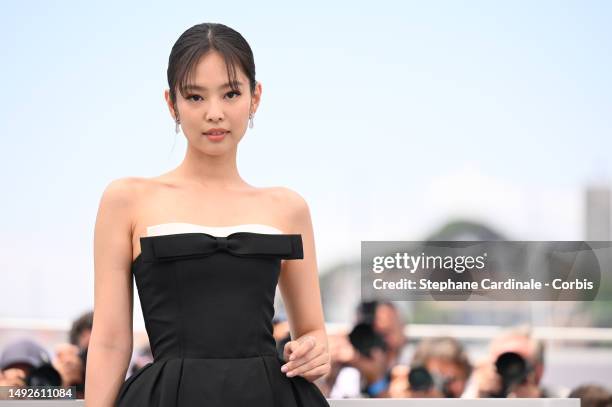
(306, 358)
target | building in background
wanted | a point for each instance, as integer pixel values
(597, 222)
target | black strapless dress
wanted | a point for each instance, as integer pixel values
(208, 304)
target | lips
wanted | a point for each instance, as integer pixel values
(216, 132)
(216, 135)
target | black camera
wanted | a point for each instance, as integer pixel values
(513, 369)
(364, 339)
(43, 375)
(420, 379)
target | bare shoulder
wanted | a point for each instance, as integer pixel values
(124, 192)
(121, 196)
(287, 198)
(290, 205)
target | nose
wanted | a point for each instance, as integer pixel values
(214, 112)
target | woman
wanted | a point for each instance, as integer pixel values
(206, 250)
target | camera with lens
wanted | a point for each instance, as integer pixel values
(513, 369)
(421, 379)
(364, 339)
(43, 375)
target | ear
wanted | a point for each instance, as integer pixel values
(256, 97)
(169, 103)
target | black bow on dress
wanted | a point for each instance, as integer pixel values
(242, 244)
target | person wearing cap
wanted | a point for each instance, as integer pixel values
(22, 356)
(18, 359)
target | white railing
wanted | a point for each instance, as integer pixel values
(487, 332)
(466, 332)
(369, 403)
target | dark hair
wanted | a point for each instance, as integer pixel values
(592, 395)
(366, 310)
(81, 324)
(201, 39)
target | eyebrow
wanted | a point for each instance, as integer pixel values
(203, 88)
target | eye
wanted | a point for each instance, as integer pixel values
(190, 97)
(233, 93)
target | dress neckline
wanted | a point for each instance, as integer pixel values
(191, 226)
(186, 227)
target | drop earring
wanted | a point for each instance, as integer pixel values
(250, 120)
(177, 128)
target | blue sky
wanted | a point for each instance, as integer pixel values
(388, 117)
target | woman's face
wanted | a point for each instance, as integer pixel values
(211, 104)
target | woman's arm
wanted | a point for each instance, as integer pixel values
(299, 287)
(110, 346)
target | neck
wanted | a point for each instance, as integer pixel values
(214, 171)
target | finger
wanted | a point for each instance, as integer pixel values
(305, 345)
(315, 373)
(16, 381)
(289, 349)
(313, 353)
(14, 374)
(309, 365)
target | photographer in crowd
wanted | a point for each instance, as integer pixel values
(440, 368)
(513, 368)
(26, 363)
(363, 360)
